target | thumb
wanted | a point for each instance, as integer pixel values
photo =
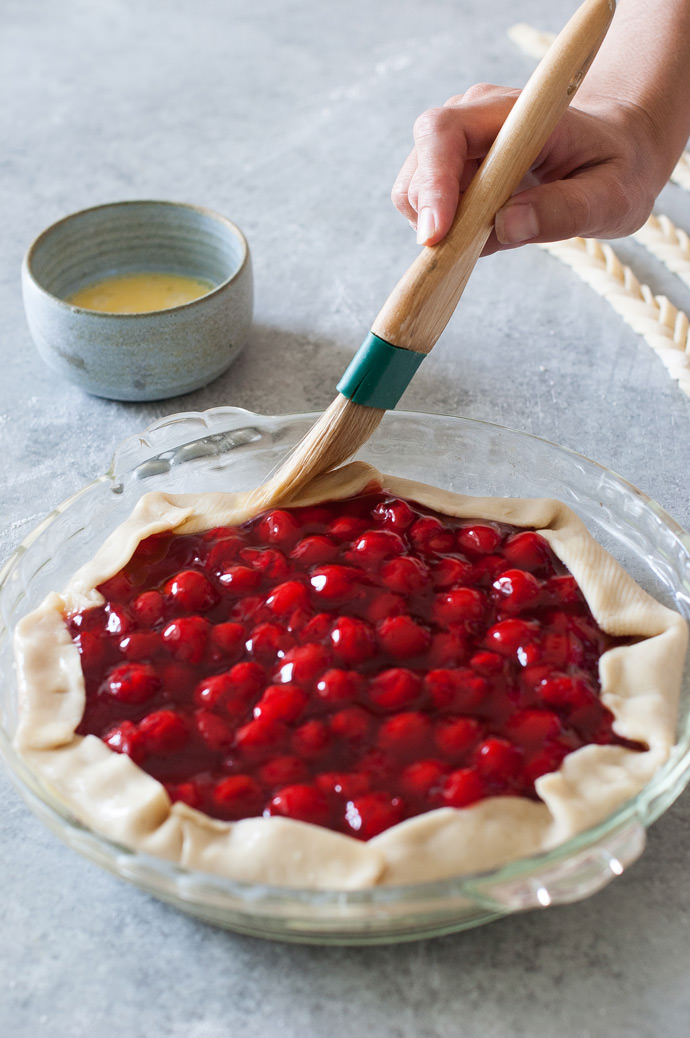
(587, 205)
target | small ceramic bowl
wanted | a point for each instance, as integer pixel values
(139, 356)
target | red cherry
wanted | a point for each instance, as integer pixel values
(227, 639)
(498, 761)
(217, 733)
(186, 638)
(544, 760)
(478, 538)
(567, 693)
(316, 629)
(405, 574)
(270, 562)
(140, 645)
(163, 732)
(334, 582)
(451, 571)
(394, 514)
(456, 690)
(516, 590)
(93, 620)
(191, 591)
(395, 689)
(126, 738)
(268, 641)
(510, 637)
(373, 546)
(261, 738)
(339, 686)
(458, 605)
(401, 637)
(533, 727)
(149, 608)
(304, 664)
(487, 663)
(429, 536)
(527, 550)
(132, 683)
(314, 550)
(247, 679)
(240, 580)
(405, 735)
(287, 597)
(448, 648)
(91, 650)
(303, 802)
(283, 771)
(312, 739)
(225, 551)
(281, 703)
(246, 609)
(457, 736)
(422, 780)
(462, 788)
(213, 690)
(353, 640)
(185, 792)
(117, 588)
(237, 796)
(278, 527)
(372, 813)
(346, 528)
(351, 724)
(383, 604)
(117, 619)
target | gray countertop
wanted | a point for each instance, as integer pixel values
(292, 117)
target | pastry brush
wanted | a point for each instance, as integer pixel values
(419, 307)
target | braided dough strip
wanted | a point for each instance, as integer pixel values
(667, 243)
(665, 328)
(681, 174)
(529, 40)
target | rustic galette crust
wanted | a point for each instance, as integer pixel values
(107, 791)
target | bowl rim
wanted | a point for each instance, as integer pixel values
(29, 275)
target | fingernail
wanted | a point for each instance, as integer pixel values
(426, 225)
(516, 223)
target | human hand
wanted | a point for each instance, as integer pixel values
(598, 175)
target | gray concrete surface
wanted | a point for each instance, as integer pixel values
(292, 117)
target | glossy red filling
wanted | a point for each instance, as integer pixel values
(351, 665)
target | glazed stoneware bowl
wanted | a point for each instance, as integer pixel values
(139, 356)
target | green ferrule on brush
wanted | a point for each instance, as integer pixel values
(379, 373)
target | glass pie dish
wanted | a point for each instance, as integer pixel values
(230, 448)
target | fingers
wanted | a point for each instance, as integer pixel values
(449, 143)
(593, 178)
(399, 193)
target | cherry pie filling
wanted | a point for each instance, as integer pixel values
(351, 664)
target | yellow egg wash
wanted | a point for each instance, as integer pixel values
(139, 293)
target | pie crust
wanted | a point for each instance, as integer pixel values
(108, 792)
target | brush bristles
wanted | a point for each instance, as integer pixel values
(333, 438)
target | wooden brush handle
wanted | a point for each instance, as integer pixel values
(421, 304)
